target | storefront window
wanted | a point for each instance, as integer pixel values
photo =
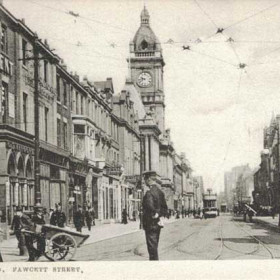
(111, 197)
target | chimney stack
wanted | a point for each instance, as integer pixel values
(76, 77)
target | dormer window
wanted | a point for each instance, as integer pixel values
(144, 45)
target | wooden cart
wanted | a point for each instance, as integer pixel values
(62, 243)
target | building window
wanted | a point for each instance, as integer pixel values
(58, 87)
(46, 64)
(25, 111)
(65, 93)
(79, 129)
(4, 96)
(72, 98)
(46, 123)
(82, 105)
(4, 38)
(58, 133)
(65, 135)
(77, 103)
(24, 51)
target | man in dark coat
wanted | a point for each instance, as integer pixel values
(26, 224)
(154, 207)
(88, 217)
(58, 218)
(16, 227)
(79, 219)
(124, 216)
(38, 237)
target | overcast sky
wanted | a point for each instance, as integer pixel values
(215, 109)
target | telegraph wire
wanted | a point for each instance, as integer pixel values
(249, 17)
(230, 140)
(219, 30)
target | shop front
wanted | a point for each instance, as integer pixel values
(16, 180)
(108, 200)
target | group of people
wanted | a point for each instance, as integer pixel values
(28, 227)
(28, 232)
(82, 218)
(125, 216)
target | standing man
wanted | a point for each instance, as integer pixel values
(79, 219)
(58, 217)
(88, 217)
(16, 227)
(154, 207)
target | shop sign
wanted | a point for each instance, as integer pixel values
(19, 147)
(114, 171)
(132, 179)
(6, 66)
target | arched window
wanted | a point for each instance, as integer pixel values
(11, 166)
(144, 45)
(20, 167)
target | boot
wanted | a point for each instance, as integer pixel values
(23, 251)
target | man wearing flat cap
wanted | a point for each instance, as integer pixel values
(154, 207)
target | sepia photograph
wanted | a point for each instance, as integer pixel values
(139, 130)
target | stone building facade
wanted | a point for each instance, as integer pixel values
(90, 136)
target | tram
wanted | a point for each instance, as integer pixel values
(210, 209)
(223, 208)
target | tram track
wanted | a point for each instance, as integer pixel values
(263, 244)
(224, 245)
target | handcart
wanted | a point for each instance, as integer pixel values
(61, 243)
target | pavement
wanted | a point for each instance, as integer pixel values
(100, 232)
(268, 221)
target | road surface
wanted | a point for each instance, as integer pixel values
(221, 238)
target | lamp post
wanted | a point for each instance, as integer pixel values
(278, 168)
(142, 138)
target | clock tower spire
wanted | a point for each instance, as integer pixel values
(146, 69)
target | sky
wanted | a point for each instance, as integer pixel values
(220, 94)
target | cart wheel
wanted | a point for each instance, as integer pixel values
(61, 246)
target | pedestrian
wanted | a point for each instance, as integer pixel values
(194, 213)
(16, 227)
(88, 217)
(50, 214)
(154, 207)
(124, 216)
(79, 219)
(273, 212)
(92, 212)
(134, 215)
(32, 228)
(58, 217)
(39, 220)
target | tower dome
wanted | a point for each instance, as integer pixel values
(145, 39)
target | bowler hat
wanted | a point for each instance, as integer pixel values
(38, 208)
(18, 209)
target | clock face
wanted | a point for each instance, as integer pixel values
(144, 79)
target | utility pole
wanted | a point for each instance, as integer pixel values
(140, 179)
(36, 122)
(278, 169)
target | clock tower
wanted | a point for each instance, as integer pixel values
(146, 69)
